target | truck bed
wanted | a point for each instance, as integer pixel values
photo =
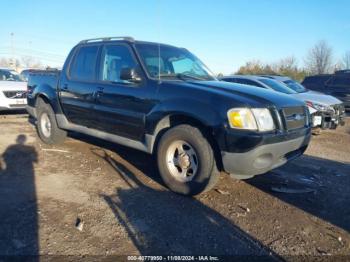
(49, 78)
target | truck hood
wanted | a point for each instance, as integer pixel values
(13, 86)
(319, 98)
(250, 95)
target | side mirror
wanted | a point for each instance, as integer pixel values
(129, 74)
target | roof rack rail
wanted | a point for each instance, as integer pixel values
(101, 39)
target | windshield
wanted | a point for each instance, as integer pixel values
(167, 62)
(279, 87)
(295, 86)
(8, 75)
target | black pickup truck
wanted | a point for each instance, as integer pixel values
(163, 100)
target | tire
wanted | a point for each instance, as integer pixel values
(191, 171)
(316, 131)
(46, 126)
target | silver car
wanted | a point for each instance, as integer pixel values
(13, 90)
(326, 111)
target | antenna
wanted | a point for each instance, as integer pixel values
(158, 15)
(159, 63)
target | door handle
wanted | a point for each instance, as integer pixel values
(98, 94)
(65, 87)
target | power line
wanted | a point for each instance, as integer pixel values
(36, 57)
(27, 50)
(49, 39)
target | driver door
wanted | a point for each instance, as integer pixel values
(121, 106)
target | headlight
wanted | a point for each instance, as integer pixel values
(264, 119)
(318, 107)
(251, 119)
(241, 118)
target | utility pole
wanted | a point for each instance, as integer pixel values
(13, 53)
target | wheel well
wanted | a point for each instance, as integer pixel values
(174, 120)
(44, 98)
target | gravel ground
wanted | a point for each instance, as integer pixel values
(89, 197)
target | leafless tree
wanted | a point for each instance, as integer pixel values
(9, 63)
(289, 63)
(29, 62)
(4, 62)
(23, 62)
(346, 60)
(319, 58)
(255, 67)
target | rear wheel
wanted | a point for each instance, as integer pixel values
(186, 161)
(46, 126)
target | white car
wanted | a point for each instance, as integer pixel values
(326, 111)
(13, 90)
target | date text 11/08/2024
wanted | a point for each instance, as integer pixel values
(173, 258)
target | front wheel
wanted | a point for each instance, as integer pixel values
(186, 161)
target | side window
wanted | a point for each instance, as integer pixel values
(341, 81)
(245, 82)
(232, 80)
(239, 81)
(113, 59)
(83, 67)
(253, 83)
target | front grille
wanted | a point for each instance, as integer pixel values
(294, 117)
(15, 94)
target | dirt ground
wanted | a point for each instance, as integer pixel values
(90, 197)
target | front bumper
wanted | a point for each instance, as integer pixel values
(263, 158)
(12, 104)
(329, 119)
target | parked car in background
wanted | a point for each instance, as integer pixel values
(163, 100)
(329, 108)
(12, 90)
(326, 111)
(337, 85)
(316, 82)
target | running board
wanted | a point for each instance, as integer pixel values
(147, 147)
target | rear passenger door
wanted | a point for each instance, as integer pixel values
(77, 90)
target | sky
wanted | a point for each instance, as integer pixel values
(224, 34)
